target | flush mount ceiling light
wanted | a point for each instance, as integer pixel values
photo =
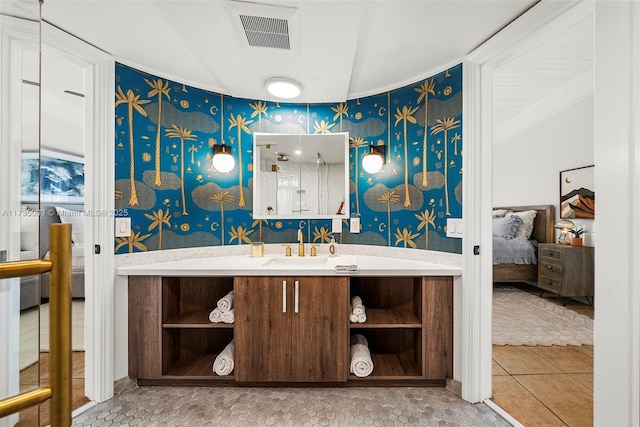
(372, 161)
(222, 160)
(283, 87)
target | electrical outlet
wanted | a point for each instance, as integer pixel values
(336, 225)
(354, 225)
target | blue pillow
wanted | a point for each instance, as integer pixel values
(506, 227)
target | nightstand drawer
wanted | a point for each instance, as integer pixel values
(548, 283)
(551, 253)
(551, 268)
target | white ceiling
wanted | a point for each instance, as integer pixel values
(346, 49)
(551, 75)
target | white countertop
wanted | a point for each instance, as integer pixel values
(278, 265)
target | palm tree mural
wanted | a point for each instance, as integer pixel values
(426, 219)
(259, 223)
(241, 123)
(133, 103)
(406, 115)
(445, 125)
(184, 135)
(323, 235)
(159, 218)
(159, 89)
(132, 241)
(388, 198)
(357, 143)
(222, 197)
(455, 139)
(406, 237)
(242, 234)
(322, 127)
(259, 109)
(426, 88)
(193, 150)
(341, 109)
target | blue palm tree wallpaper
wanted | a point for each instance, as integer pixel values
(176, 199)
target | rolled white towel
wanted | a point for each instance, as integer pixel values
(223, 364)
(356, 305)
(361, 364)
(228, 316)
(358, 318)
(226, 302)
(215, 316)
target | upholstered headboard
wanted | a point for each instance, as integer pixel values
(542, 224)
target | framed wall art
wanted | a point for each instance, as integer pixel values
(61, 177)
(577, 196)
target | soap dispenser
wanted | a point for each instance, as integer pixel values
(332, 247)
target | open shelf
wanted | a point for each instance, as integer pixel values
(199, 366)
(194, 319)
(391, 367)
(388, 318)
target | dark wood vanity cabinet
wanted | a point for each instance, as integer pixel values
(287, 333)
(291, 329)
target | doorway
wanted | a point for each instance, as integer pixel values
(542, 355)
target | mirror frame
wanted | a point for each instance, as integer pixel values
(256, 176)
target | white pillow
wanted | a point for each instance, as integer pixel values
(525, 229)
(29, 231)
(76, 219)
(498, 213)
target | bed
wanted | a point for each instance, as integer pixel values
(542, 233)
(34, 246)
(74, 217)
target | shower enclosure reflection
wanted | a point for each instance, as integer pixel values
(301, 176)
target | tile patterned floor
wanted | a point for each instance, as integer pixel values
(236, 406)
(546, 386)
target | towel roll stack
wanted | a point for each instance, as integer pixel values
(224, 310)
(358, 314)
(361, 363)
(223, 364)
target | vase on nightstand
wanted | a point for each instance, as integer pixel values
(576, 241)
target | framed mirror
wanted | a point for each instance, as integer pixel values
(300, 176)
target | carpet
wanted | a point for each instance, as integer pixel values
(29, 326)
(520, 318)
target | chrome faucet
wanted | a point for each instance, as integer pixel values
(300, 243)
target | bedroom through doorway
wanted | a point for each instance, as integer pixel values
(542, 352)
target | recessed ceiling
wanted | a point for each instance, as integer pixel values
(342, 49)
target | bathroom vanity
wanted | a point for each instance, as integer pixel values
(291, 321)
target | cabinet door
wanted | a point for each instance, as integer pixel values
(320, 330)
(262, 329)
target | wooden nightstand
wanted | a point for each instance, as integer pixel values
(566, 270)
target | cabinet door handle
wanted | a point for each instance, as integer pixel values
(297, 287)
(284, 296)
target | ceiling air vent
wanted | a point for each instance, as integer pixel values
(263, 31)
(265, 25)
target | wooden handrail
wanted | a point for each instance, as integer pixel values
(59, 391)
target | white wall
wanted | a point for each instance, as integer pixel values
(526, 167)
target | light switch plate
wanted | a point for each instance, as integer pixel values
(123, 227)
(354, 225)
(454, 228)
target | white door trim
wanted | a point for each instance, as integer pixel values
(541, 22)
(617, 184)
(99, 198)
